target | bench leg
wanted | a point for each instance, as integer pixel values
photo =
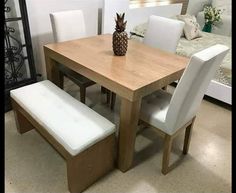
(88, 166)
(22, 124)
(103, 90)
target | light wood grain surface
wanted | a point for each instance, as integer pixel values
(140, 72)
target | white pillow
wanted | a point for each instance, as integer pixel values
(224, 5)
(192, 29)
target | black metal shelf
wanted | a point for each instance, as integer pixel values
(15, 58)
(13, 19)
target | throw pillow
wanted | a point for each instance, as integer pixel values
(192, 29)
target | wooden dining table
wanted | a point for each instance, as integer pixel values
(140, 72)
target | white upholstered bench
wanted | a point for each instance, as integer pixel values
(83, 137)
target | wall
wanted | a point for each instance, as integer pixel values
(39, 21)
(134, 16)
(40, 26)
(194, 6)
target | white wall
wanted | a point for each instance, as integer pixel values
(194, 6)
(134, 16)
(38, 14)
(40, 26)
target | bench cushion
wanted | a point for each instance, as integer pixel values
(74, 125)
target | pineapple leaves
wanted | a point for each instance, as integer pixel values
(117, 16)
(120, 23)
(123, 16)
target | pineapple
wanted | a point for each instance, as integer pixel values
(120, 37)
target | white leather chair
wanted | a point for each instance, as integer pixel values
(168, 113)
(69, 25)
(163, 33)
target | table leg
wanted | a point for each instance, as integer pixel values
(129, 116)
(53, 73)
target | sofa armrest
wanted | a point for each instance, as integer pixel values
(223, 28)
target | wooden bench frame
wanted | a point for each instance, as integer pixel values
(83, 169)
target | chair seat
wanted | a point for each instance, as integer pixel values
(154, 108)
(75, 77)
(74, 125)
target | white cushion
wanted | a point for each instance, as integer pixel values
(191, 28)
(163, 33)
(74, 125)
(68, 25)
(154, 109)
(170, 113)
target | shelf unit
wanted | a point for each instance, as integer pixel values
(19, 61)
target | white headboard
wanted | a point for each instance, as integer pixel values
(134, 16)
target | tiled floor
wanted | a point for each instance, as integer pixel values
(33, 166)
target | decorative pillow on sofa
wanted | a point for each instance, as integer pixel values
(224, 5)
(192, 29)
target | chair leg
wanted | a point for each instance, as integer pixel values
(22, 124)
(108, 96)
(113, 100)
(82, 94)
(61, 80)
(103, 90)
(187, 138)
(166, 153)
(164, 88)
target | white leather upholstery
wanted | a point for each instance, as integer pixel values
(74, 125)
(154, 108)
(183, 105)
(163, 33)
(68, 25)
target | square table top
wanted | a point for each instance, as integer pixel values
(141, 71)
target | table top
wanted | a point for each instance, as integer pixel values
(142, 70)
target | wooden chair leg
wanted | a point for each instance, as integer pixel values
(113, 100)
(103, 90)
(22, 124)
(108, 96)
(164, 88)
(187, 138)
(61, 80)
(166, 153)
(82, 94)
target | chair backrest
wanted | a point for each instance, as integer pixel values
(163, 33)
(192, 86)
(68, 25)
